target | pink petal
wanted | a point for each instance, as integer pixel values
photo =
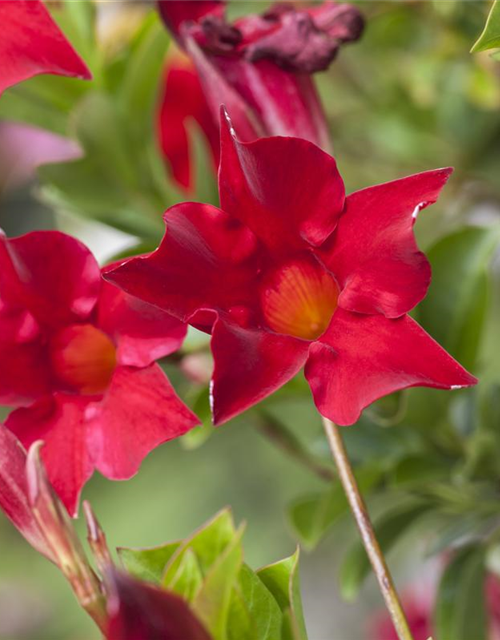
(32, 43)
(249, 365)
(23, 148)
(206, 260)
(142, 332)
(14, 494)
(362, 358)
(51, 274)
(373, 253)
(286, 190)
(60, 421)
(139, 411)
(183, 100)
(142, 611)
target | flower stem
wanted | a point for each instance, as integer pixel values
(363, 522)
(285, 440)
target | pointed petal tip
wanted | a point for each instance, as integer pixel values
(36, 477)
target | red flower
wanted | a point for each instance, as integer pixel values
(261, 65)
(183, 100)
(418, 615)
(31, 43)
(289, 273)
(79, 358)
(141, 611)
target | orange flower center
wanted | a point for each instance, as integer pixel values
(83, 358)
(299, 299)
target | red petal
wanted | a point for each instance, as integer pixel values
(286, 104)
(13, 491)
(32, 43)
(219, 90)
(183, 99)
(249, 365)
(140, 411)
(206, 260)
(25, 373)
(60, 421)
(143, 333)
(374, 255)
(286, 190)
(362, 358)
(141, 611)
(177, 12)
(51, 274)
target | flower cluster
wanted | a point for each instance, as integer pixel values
(289, 273)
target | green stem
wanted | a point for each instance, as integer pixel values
(285, 440)
(363, 522)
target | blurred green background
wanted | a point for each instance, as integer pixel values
(407, 97)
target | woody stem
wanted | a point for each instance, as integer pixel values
(365, 527)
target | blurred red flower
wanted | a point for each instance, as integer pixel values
(183, 100)
(419, 611)
(289, 272)
(260, 67)
(31, 43)
(79, 364)
(141, 611)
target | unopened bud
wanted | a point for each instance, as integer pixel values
(58, 530)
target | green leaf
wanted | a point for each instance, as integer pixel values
(312, 516)
(212, 602)
(240, 625)
(389, 529)
(98, 126)
(204, 170)
(208, 543)
(417, 469)
(282, 580)
(188, 578)
(78, 187)
(490, 38)
(137, 96)
(460, 606)
(78, 22)
(264, 614)
(147, 564)
(454, 310)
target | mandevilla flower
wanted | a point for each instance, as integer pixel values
(183, 99)
(290, 272)
(31, 43)
(78, 361)
(261, 65)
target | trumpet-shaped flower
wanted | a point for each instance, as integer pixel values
(78, 363)
(290, 272)
(31, 43)
(261, 65)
